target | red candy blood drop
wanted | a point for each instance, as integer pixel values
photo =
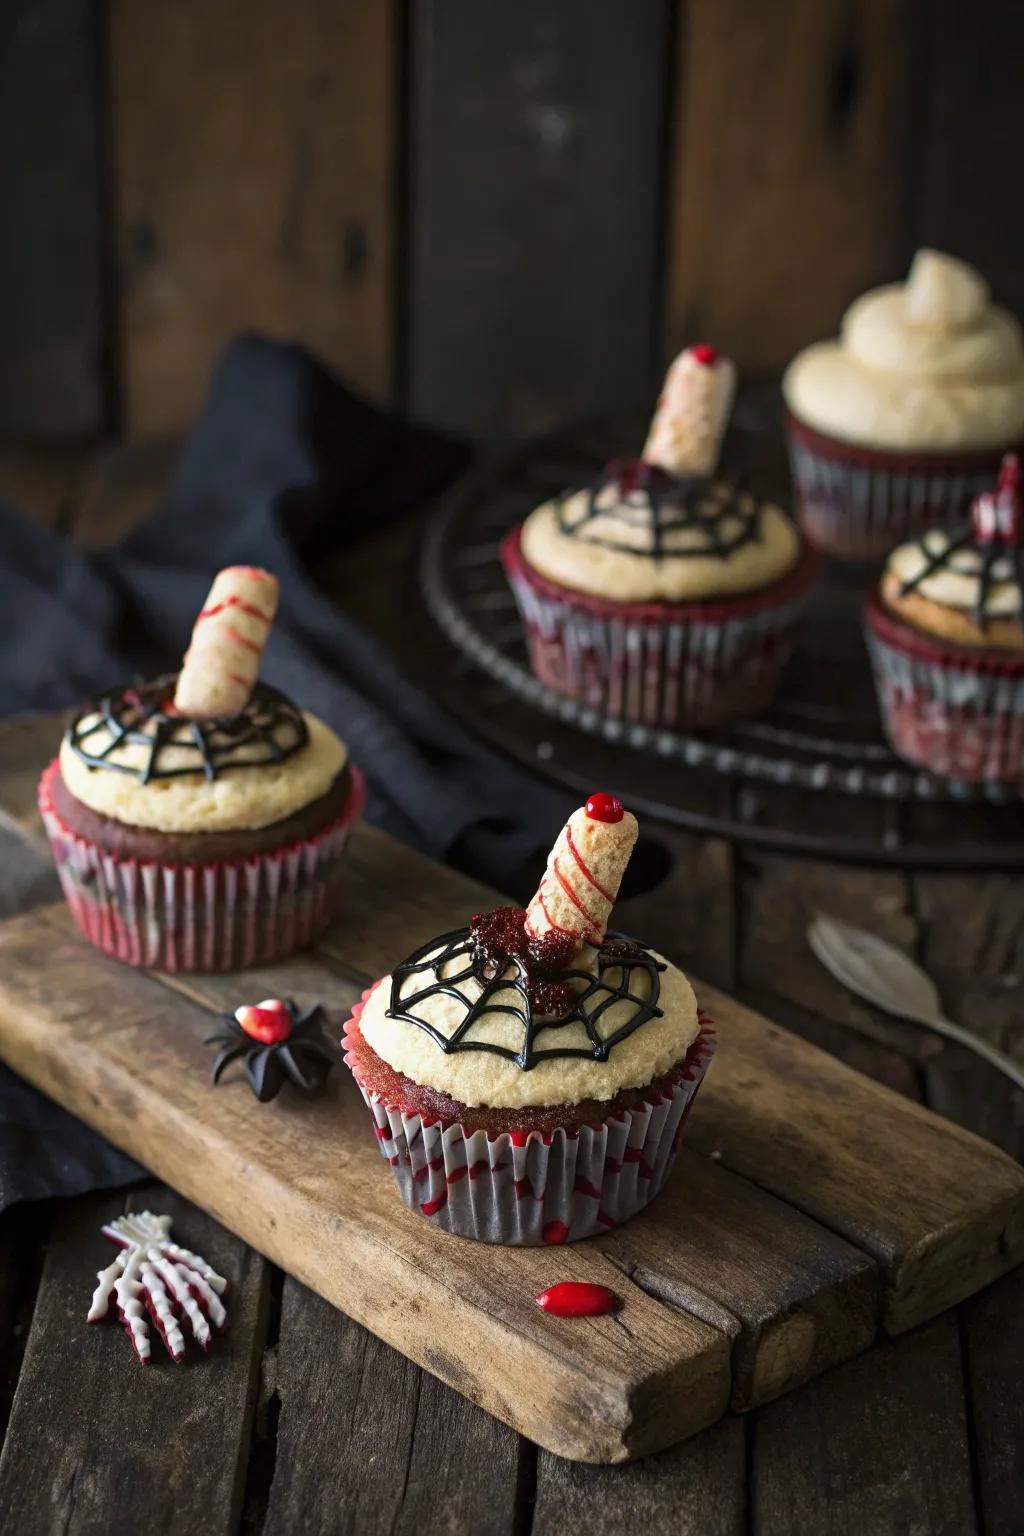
(577, 1298)
(269, 1024)
(603, 807)
(555, 1232)
(702, 353)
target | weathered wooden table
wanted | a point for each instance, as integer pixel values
(301, 1421)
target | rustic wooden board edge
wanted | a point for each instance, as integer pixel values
(575, 1407)
(829, 1306)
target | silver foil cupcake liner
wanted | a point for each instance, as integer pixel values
(860, 503)
(708, 665)
(220, 916)
(525, 1189)
(944, 713)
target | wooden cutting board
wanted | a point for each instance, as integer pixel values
(810, 1211)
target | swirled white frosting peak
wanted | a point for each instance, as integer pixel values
(929, 364)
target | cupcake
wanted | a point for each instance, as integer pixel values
(198, 821)
(663, 594)
(898, 423)
(529, 1076)
(945, 629)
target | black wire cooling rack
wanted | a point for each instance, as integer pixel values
(813, 775)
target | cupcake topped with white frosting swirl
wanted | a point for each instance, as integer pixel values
(928, 364)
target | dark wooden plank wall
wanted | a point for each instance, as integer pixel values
(51, 329)
(503, 215)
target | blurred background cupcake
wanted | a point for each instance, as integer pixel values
(899, 422)
(664, 593)
(198, 821)
(945, 629)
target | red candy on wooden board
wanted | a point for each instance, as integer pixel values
(578, 1298)
(270, 1024)
(602, 807)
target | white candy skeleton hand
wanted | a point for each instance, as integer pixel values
(152, 1278)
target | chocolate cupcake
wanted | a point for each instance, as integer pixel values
(198, 820)
(945, 629)
(529, 1076)
(898, 423)
(664, 594)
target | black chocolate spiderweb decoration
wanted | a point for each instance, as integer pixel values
(269, 730)
(449, 961)
(993, 533)
(723, 511)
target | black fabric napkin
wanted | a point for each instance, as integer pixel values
(286, 466)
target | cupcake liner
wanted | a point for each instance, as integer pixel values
(525, 1188)
(945, 708)
(659, 664)
(859, 503)
(219, 916)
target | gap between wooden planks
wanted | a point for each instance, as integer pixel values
(737, 1294)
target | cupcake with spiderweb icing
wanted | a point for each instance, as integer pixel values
(529, 1075)
(665, 593)
(945, 628)
(198, 820)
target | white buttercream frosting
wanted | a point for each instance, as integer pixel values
(608, 546)
(925, 365)
(234, 800)
(955, 583)
(481, 1078)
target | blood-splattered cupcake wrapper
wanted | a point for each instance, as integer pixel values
(945, 709)
(219, 916)
(859, 503)
(666, 665)
(526, 1188)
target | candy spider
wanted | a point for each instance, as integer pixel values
(278, 1043)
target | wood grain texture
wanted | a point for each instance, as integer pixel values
(696, 1489)
(254, 162)
(395, 1451)
(295, 1204)
(778, 973)
(993, 1335)
(317, 1199)
(791, 168)
(26, 746)
(794, 1298)
(167, 1441)
(881, 1448)
(971, 58)
(535, 207)
(971, 941)
(51, 321)
(801, 1125)
(819, 1154)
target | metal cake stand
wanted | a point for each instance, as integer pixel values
(812, 775)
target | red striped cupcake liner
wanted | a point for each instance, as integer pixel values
(668, 665)
(951, 710)
(219, 916)
(859, 503)
(528, 1188)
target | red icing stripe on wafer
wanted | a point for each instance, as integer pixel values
(584, 867)
(241, 639)
(234, 602)
(567, 888)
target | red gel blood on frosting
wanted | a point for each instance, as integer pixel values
(702, 353)
(270, 1024)
(603, 807)
(577, 1298)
